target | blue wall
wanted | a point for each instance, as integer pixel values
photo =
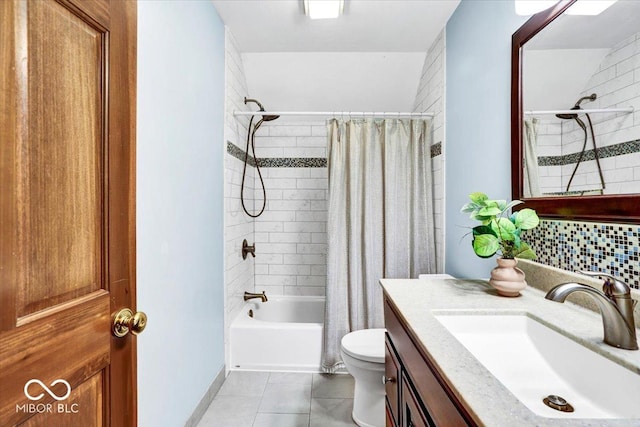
(179, 206)
(478, 105)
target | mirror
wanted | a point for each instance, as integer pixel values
(578, 164)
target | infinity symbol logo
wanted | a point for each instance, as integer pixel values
(47, 389)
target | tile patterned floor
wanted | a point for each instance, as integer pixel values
(278, 399)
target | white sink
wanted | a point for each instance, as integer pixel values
(534, 361)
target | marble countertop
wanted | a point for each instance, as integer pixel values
(484, 396)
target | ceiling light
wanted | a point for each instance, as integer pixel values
(531, 7)
(323, 9)
(589, 7)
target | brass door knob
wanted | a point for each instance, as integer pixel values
(125, 321)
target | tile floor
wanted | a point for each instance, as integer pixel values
(278, 399)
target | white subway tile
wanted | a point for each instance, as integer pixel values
(304, 290)
(273, 290)
(290, 269)
(311, 248)
(300, 194)
(274, 280)
(274, 258)
(270, 226)
(277, 248)
(290, 237)
(319, 130)
(320, 270)
(319, 238)
(312, 183)
(312, 259)
(318, 205)
(290, 130)
(288, 205)
(261, 269)
(311, 280)
(314, 216)
(310, 227)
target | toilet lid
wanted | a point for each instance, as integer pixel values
(365, 344)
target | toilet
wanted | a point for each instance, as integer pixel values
(363, 355)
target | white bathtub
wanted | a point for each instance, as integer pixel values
(285, 334)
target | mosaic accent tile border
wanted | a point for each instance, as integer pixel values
(436, 149)
(296, 162)
(620, 149)
(239, 153)
(278, 162)
(290, 162)
(570, 245)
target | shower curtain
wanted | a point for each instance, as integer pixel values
(530, 143)
(380, 220)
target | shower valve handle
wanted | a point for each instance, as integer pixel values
(246, 249)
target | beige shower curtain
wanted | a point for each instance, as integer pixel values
(380, 220)
(530, 143)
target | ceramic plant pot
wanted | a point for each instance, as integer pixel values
(507, 278)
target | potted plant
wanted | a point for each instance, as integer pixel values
(500, 233)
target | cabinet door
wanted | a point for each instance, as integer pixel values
(412, 415)
(392, 381)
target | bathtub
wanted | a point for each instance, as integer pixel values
(284, 334)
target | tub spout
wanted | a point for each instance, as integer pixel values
(616, 308)
(250, 295)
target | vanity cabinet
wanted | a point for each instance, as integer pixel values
(416, 393)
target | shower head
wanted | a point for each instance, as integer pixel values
(265, 117)
(590, 98)
(569, 116)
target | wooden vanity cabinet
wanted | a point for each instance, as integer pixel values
(417, 395)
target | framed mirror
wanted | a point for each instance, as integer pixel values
(575, 113)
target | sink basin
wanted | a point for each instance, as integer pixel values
(534, 361)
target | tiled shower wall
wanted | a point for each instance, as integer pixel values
(430, 98)
(291, 235)
(616, 83)
(238, 226)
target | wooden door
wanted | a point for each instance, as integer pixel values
(67, 218)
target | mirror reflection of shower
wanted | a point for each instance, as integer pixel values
(582, 125)
(251, 133)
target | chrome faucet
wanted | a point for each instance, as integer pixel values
(249, 295)
(616, 307)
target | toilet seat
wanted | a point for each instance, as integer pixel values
(365, 344)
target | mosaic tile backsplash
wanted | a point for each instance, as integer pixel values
(571, 245)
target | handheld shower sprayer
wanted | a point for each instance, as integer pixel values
(265, 117)
(573, 116)
(251, 134)
(590, 98)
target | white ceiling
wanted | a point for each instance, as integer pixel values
(365, 26)
(369, 59)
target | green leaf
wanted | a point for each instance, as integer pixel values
(490, 211)
(501, 204)
(469, 207)
(525, 252)
(478, 197)
(526, 219)
(485, 245)
(503, 228)
(483, 229)
(483, 219)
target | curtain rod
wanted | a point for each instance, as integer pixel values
(581, 111)
(332, 113)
